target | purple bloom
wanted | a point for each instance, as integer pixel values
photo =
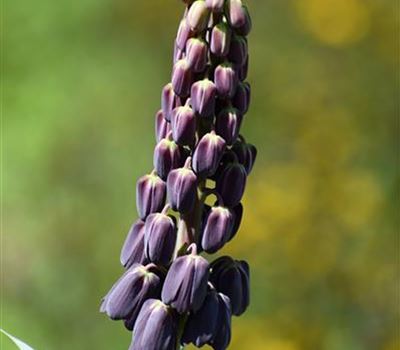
(185, 287)
(231, 184)
(241, 99)
(156, 327)
(203, 95)
(183, 125)
(169, 100)
(167, 156)
(150, 195)
(220, 39)
(216, 6)
(226, 80)
(182, 78)
(228, 124)
(196, 54)
(238, 50)
(133, 249)
(163, 127)
(159, 238)
(198, 16)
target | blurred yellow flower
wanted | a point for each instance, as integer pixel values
(334, 22)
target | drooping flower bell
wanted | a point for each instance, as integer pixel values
(211, 324)
(226, 80)
(128, 294)
(217, 228)
(182, 188)
(238, 16)
(167, 156)
(183, 125)
(231, 277)
(196, 54)
(220, 39)
(208, 154)
(202, 97)
(156, 327)
(151, 192)
(231, 184)
(185, 286)
(183, 35)
(160, 237)
(198, 16)
(228, 124)
(182, 78)
(133, 249)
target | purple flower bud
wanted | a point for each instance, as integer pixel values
(167, 156)
(203, 97)
(202, 326)
(242, 71)
(238, 16)
(238, 50)
(241, 99)
(178, 54)
(133, 249)
(162, 126)
(159, 238)
(183, 124)
(156, 327)
(185, 286)
(169, 100)
(246, 154)
(181, 78)
(222, 337)
(217, 229)
(237, 214)
(220, 39)
(150, 195)
(227, 158)
(198, 16)
(231, 277)
(231, 184)
(130, 292)
(184, 34)
(228, 124)
(226, 80)
(207, 154)
(182, 189)
(216, 6)
(196, 54)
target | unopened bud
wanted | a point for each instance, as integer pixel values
(162, 126)
(159, 238)
(167, 156)
(156, 327)
(231, 184)
(181, 78)
(242, 71)
(226, 80)
(133, 249)
(238, 16)
(237, 214)
(222, 338)
(207, 154)
(216, 6)
(196, 54)
(202, 96)
(184, 34)
(238, 50)
(228, 124)
(220, 39)
(185, 286)
(198, 16)
(241, 99)
(169, 100)
(150, 195)
(231, 277)
(246, 154)
(217, 229)
(183, 125)
(182, 189)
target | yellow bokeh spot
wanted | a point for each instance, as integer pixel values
(334, 22)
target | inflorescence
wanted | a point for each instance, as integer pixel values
(170, 295)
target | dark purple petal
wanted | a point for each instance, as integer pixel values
(133, 249)
(228, 124)
(223, 336)
(159, 238)
(181, 78)
(202, 96)
(185, 287)
(184, 34)
(156, 327)
(238, 16)
(169, 100)
(162, 126)
(150, 195)
(231, 184)
(226, 80)
(167, 156)
(237, 214)
(196, 54)
(198, 16)
(238, 50)
(220, 39)
(182, 190)
(183, 125)
(241, 99)
(207, 154)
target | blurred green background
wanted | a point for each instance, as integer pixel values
(82, 82)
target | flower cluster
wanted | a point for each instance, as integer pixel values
(169, 294)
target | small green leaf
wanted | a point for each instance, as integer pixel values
(21, 345)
